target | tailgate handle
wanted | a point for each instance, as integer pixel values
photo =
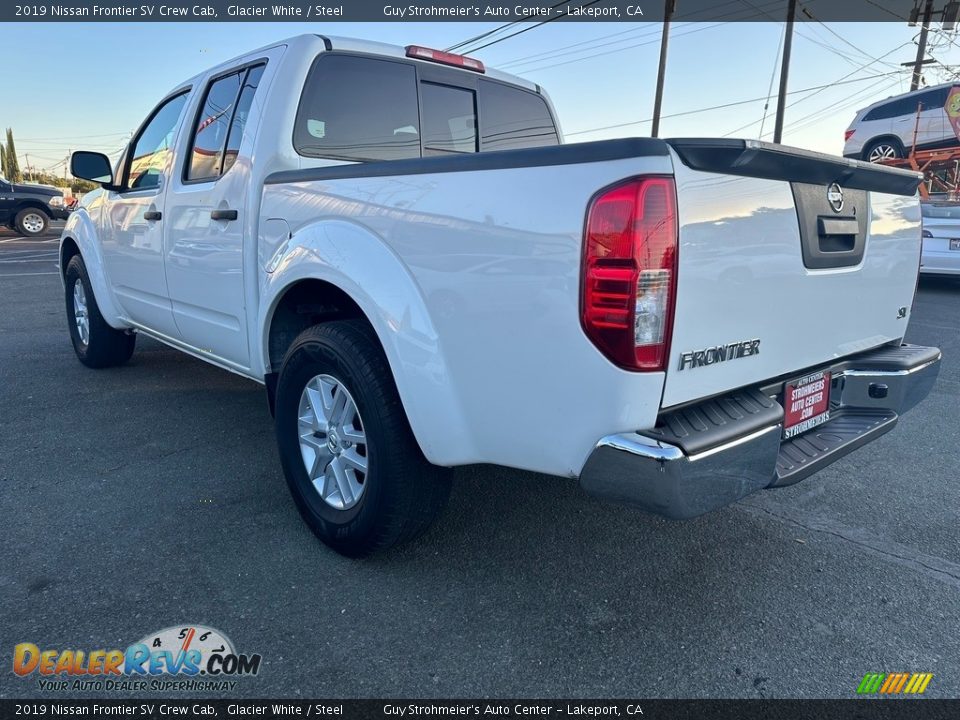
(837, 226)
(837, 235)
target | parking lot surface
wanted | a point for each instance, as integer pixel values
(148, 496)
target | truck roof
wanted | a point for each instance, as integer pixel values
(332, 42)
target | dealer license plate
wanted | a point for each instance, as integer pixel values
(806, 404)
(955, 243)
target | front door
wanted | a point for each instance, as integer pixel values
(133, 236)
(207, 215)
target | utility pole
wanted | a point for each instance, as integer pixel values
(670, 6)
(785, 71)
(921, 46)
(29, 174)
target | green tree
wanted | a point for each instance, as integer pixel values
(3, 161)
(13, 165)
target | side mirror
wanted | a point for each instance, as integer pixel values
(91, 166)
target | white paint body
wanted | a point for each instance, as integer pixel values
(471, 280)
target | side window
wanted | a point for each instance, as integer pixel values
(907, 106)
(153, 146)
(892, 109)
(449, 119)
(219, 126)
(239, 122)
(356, 108)
(513, 118)
(878, 113)
(935, 99)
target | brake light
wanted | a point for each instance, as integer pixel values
(445, 58)
(847, 134)
(629, 272)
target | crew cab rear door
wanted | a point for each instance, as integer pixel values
(209, 209)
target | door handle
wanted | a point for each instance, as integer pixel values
(152, 215)
(223, 214)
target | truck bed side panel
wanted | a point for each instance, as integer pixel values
(496, 257)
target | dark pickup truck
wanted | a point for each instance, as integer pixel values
(28, 209)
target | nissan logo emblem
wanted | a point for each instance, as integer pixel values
(835, 197)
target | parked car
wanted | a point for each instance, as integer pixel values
(28, 209)
(941, 237)
(885, 130)
(395, 242)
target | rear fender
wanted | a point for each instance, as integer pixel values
(359, 263)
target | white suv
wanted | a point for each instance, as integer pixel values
(885, 129)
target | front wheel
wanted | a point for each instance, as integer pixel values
(32, 222)
(354, 469)
(96, 344)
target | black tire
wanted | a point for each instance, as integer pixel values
(402, 492)
(29, 216)
(105, 346)
(890, 148)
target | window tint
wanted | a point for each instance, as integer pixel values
(356, 108)
(908, 106)
(933, 100)
(449, 119)
(235, 136)
(154, 145)
(213, 122)
(513, 118)
(889, 110)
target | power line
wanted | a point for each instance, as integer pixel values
(727, 105)
(490, 33)
(532, 27)
(773, 74)
(840, 81)
(553, 55)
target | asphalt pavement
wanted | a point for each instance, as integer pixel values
(150, 496)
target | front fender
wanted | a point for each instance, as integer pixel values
(359, 263)
(81, 229)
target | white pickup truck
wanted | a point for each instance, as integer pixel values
(395, 242)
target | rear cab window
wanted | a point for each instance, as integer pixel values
(360, 108)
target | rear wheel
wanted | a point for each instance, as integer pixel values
(354, 469)
(886, 149)
(96, 344)
(32, 222)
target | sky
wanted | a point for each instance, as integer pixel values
(88, 85)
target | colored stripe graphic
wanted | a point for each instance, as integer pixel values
(870, 683)
(894, 683)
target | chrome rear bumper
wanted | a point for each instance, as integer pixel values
(702, 457)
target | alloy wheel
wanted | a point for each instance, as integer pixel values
(333, 442)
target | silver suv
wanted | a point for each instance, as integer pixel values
(885, 129)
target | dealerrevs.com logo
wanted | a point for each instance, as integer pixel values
(185, 657)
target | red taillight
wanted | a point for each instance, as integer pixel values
(630, 272)
(847, 134)
(445, 58)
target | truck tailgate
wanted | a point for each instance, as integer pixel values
(787, 260)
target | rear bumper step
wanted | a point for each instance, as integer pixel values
(701, 457)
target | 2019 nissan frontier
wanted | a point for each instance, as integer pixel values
(397, 244)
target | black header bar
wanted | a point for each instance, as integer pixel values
(445, 709)
(534, 11)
